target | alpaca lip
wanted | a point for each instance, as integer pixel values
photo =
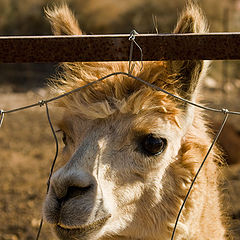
(80, 232)
(86, 227)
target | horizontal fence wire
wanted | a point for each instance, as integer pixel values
(42, 102)
(92, 48)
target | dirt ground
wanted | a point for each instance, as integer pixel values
(27, 149)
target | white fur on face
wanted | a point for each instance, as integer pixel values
(110, 151)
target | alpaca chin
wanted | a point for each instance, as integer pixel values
(86, 231)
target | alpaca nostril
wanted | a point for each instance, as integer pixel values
(68, 184)
(74, 191)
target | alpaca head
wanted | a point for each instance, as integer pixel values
(121, 139)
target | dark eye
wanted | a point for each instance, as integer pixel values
(64, 138)
(153, 145)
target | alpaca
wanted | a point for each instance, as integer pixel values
(131, 152)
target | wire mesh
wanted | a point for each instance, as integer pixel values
(45, 103)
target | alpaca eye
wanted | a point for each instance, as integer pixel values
(153, 145)
(64, 138)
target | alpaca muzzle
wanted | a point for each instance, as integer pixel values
(72, 203)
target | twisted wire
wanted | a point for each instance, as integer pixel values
(132, 39)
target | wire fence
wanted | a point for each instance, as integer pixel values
(132, 38)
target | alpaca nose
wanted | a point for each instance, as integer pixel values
(74, 191)
(69, 185)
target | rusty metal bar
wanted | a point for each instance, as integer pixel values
(213, 46)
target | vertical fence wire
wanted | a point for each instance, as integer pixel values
(53, 162)
(199, 169)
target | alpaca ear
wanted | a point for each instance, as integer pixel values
(63, 20)
(189, 72)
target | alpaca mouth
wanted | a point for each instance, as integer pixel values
(82, 229)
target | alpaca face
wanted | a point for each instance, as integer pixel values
(114, 174)
(125, 175)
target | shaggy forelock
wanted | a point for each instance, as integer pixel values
(116, 93)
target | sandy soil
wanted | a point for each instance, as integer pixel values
(26, 152)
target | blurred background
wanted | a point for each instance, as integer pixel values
(26, 143)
